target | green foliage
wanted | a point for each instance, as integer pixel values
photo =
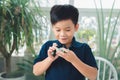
(106, 32)
(27, 67)
(20, 23)
(85, 33)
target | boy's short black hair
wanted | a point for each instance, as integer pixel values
(64, 12)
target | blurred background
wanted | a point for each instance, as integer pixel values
(25, 26)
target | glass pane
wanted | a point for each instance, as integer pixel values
(91, 4)
(49, 3)
(87, 31)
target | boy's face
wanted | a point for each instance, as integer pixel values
(64, 31)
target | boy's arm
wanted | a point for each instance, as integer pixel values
(40, 67)
(88, 71)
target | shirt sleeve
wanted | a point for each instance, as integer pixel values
(42, 54)
(89, 57)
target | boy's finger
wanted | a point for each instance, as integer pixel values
(59, 53)
(55, 44)
(64, 50)
(52, 48)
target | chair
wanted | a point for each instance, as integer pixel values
(106, 70)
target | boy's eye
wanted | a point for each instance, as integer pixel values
(67, 30)
(57, 30)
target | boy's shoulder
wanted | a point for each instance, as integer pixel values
(50, 42)
(80, 44)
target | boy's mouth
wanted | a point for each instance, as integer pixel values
(63, 39)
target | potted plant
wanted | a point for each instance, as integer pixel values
(18, 24)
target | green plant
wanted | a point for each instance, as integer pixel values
(106, 32)
(27, 66)
(85, 33)
(18, 26)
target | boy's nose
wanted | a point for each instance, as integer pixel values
(62, 33)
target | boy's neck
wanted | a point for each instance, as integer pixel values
(67, 46)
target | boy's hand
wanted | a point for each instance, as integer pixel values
(68, 55)
(50, 51)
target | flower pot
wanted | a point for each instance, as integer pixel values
(21, 77)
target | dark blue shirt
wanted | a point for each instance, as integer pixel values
(61, 69)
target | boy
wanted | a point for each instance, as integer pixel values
(75, 61)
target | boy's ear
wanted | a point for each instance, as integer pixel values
(76, 27)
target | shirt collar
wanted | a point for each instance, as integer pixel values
(74, 43)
